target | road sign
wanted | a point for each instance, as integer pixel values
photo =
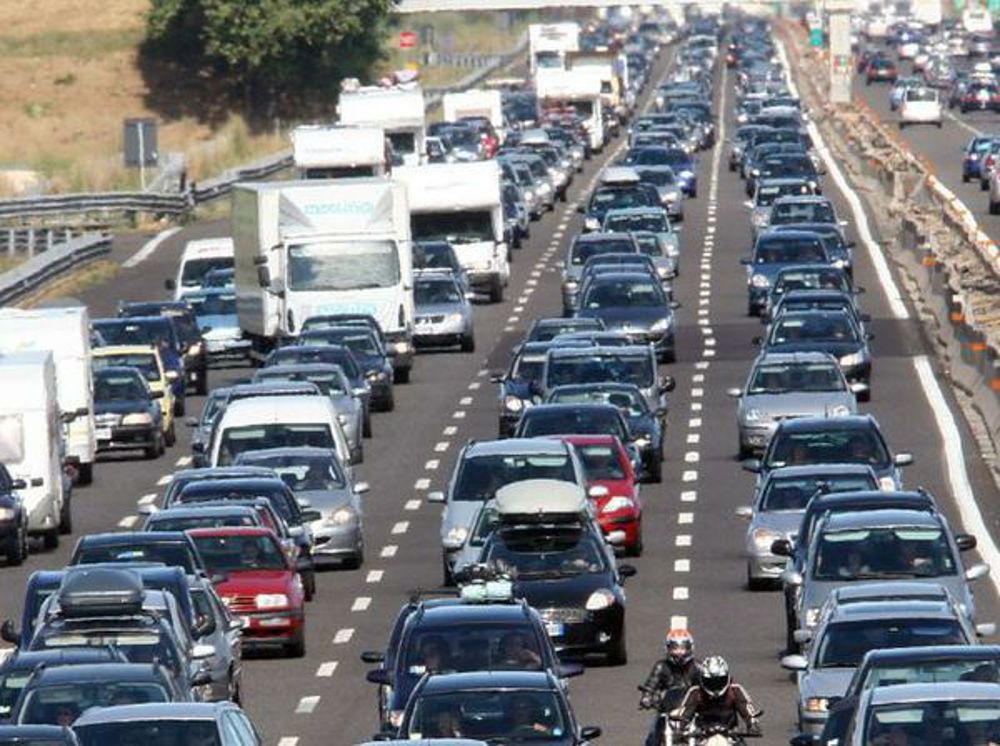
(407, 39)
(816, 37)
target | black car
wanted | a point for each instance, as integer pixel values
(547, 329)
(786, 166)
(819, 300)
(13, 519)
(772, 252)
(645, 425)
(37, 735)
(397, 346)
(838, 248)
(126, 414)
(189, 334)
(439, 255)
(520, 386)
(155, 331)
(171, 548)
(807, 277)
(573, 419)
(615, 196)
(371, 357)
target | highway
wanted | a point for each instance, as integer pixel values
(692, 571)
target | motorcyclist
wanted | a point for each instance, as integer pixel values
(669, 680)
(717, 701)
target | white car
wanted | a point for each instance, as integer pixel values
(920, 106)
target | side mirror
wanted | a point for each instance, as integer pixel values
(744, 511)
(9, 632)
(752, 465)
(264, 276)
(965, 542)
(674, 305)
(802, 636)
(147, 509)
(361, 488)
(598, 490)
(781, 547)
(435, 497)
(372, 656)
(615, 538)
(590, 732)
(903, 459)
(735, 393)
(978, 571)
(379, 676)
(869, 336)
(570, 670)
(667, 384)
(201, 651)
(170, 284)
(627, 571)
(795, 662)
(18, 484)
(986, 629)
(792, 578)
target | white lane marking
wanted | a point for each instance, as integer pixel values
(689, 476)
(422, 484)
(442, 446)
(128, 521)
(709, 352)
(361, 603)
(183, 461)
(326, 670)
(343, 636)
(696, 406)
(689, 496)
(698, 378)
(449, 431)
(693, 438)
(710, 342)
(682, 540)
(389, 550)
(703, 301)
(307, 705)
(958, 476)
(518, 309)
(682, 565)
(164, 480)
(482, 372)
(147, 499)
(412, 505)
(705, 294)
(705, 285)
(692, 457)
(465, 401)
(474, 386)
(703, 321)
(432, 464)
(458, 415)
(681, 593)
(509, 328)
(676, 622)
(288, 741)
(149, 247)
(694, 422)
(697, 393)
(964, 125)
(374, 576)
(400, 527)
(707, 331)
(701, 365)
(685, 518)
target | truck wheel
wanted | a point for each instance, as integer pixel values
(496, 291)
(66, 516)
(85, 474)
(50, 539)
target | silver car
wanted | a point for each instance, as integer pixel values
(224, 633)
(443, 312)
(779, 504)
(321, 483)
(484, 467)
(204, 424)
(782, 386)
(667, 186)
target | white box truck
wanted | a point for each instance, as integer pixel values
(475, 102)
(336, 152)
(609, 69)
(928, 12)
(31, 444)
(582, 92)
(65, 332)
(460, 203)
(548, 44)
(398, 111)
(199, 257)
(313, 248)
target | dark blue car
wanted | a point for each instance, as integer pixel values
(772, 252)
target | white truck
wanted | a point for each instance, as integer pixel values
(65, 332)
(928, 12)
(475, 102)
(460, 203)
(314, 248)
(336, 152)
(580, 91)
(199, 257)
(977, 20)
(609, 69)
(398, 111)
(548, 44)
(31, 444)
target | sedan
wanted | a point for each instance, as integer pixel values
(370, 355)
(773, 252)
(442, 312)
(126, 413)
(173, 724)
(653, 220)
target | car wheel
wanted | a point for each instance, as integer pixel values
(366, 426)
(309, 584)
(201, 388)
(965, 178)
(668, 356)
(156, 449)
(940, 125)
(401, 375)
(236, 693)
(66, 515)
(618, 652)
(448, 579)
(390, 403)
(636, 549)
(755, 584)
(496, 291)
(353, 563)
(171, 436)
(865, 396)
(17, 550)
(468, 343)
(984, 184)
(297, 647)
(180, 407)
(85, 474)
(656, 469)
(50, 539)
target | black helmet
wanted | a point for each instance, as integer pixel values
(715, 676)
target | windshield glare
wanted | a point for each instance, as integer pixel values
(845, 643)
(847, 446)
(618, 293)
(354, 266)
(867, 554)
(813, 329)
(480, 477)
(236, 440)
(497, 717)
(975, 723)
(783, 378)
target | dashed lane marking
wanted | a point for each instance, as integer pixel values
(694, 422)
(689, 496)
(432, 464)
(361, 603)
(685, 518)
(128, 521)
(307, 705)
(412, 505)
(693, 438)
(696, 406)
(147, 499)
(343, 636)
(183, 461)
(165, 479)
(441, 447)
(326, 670)
(422, 484)
(682, 540)
(450, 430)
(678, 622)
(400, 527)
(288, 741)
(374, 576)
(458, 415)
(389, 550)
(681, 593)
(689, 476)
(682, 565)
(474, 386)
(692, 457)
(697, 393)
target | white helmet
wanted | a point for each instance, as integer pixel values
(714, 678)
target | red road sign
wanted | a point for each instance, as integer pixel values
(407, 39)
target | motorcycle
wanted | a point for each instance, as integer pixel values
(717, 735)
(665, 727)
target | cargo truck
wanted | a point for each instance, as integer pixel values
(336, 152)
(398, 111)
(582, 92)
(548, 44)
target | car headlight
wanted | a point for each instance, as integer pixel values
(763, 538)
(760, 281)
(456, 537)
(643, 441)
(886, 484)
(137, 418)
(544, 188)
(513, 403)
(662, 325)
(619, 502)
(838, 410)
(816, 704)
(453, 318)
(529, 195)
(401, 346)
(686, 174)
(672, 196)
(340, 517)
(600, 599)
(752, 415)
(759, 219)
(375, 375)
(854, 359)
(592, 224)
(271, 600)
(812, 616)
(6, 514)
(195, 349)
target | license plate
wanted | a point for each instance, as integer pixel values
(555, 629)
(103, 433)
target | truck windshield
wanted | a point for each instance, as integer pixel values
(403, 143)
(454, 227)
(355, 266)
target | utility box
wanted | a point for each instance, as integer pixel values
(141, 142)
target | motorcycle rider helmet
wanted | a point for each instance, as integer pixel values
(679, 646)
(715, 679)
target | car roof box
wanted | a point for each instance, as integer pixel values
(541, 501)
(100, 591)
(619, 175)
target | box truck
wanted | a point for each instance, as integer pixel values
(610, 70)
(582, 92)
(460, 203)
(548, 44)
(475, 102)
(65, 332)
(313, 248)
(398, 111)
(199, 257)
(336, 152)
(31, 443)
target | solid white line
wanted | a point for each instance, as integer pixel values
(361, 603)
(958, 476)
(343, 636)
(326, 670)
(389, 550)
(128, 521)
(400, 527)
(149, 247)
(964, 125)
(374, 576)
(307, 705)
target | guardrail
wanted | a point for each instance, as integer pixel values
(28, 277)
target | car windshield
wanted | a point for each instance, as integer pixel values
(844, 644)
(600, 461)
(547, 553)
(811, 279)
(529, 369)
(807, 212)
(874, 553)
(195, 270)
(353, 338)
(145, 363)
(473, 647)
(828, 446)
(630, 403)
(498, 717)
(137, 645)
(236, 440)
(467, 226)
(150, 332)
(11, 685)
(118, 387)
(782, 378)
(301, 472)
(569, 421)
(976, 723)
(780, 250)
(430, 292)
(60, 705)
(635, 369)
(172, 553)
(329, 354)
(434, 256)
(612, 293)
(985, 668)
(159, 731)
(213, 304)
(227, 554)
(479, 477)
(203, 519)
(610, 198)
(356, 265)
(794, 493)
(766, 195)
(817, 328)
(330, 383)
(661, 177)
(646, 222)
(583, 250)
(549, 330)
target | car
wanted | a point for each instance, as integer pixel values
(398, 347)
(766, 193)
(203, 425)
(182, 517)
(171, 548)
(574, 419)
(833, 332)
(520, 386)
(979, 95)
(215, 313)
(668, 186)
(972, 156)
(482, 468)
(583, 248)
(921, 106)
(773, 252)
(838, 248)
(440, 255)
(127, 416)
(258, 584)
(849, 631)
(780, 501)
(899, 88)
(158, 332)
(321, 483)
(796, 164)
(809, 277)
(442, 312)
(369, 355)
(613, 196)
(171, 724)
(813, 208)
(224, 633)
(781, 386)
(635, 364)
(495, 706)
(193, 347)
(649, 220)
(547, 329)
(562, 566)
(880, 70)
(13, 519)
(684, 165)
(148, 362)
(633, 302)
(37, 735)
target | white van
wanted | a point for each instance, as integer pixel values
(277, 422)
(31, 445)
(198, 258)
(65, 332)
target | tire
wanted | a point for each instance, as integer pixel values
(366, 426)
(401, 375)
(618, 653)
(755, 584)
(468, 343)
(201, 388)
(390, 403)
(50, 539)
(17, 552)
(994, 207)
(447, 578)
(636, 549)
(297, 647)
(171, 435)
(984, 184)
(656, 469)
(940, 125)
(965, 179)
(66, 516)
(85, 474)
(496, 291)
(180, 407)
(154, 450)
(355, 562)
(670, 356)
(309, 585)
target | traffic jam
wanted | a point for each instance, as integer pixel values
(665, 154)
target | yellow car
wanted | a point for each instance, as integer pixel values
(147, 360)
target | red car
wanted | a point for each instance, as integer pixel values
(612, 485)
(258, 583)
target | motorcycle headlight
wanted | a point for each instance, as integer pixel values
(600, 599)
(619, 502)
(812, 616)
(853, 359)
(271, 600)
(137, 418)
(838, 410)
(456, 537)
(760, 281)
(513, 403)
(752, 415)
(340, 517)
(6, 514)
(817, 704)
(886, 484)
